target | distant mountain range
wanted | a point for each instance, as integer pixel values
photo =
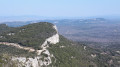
(57, 22)
(33, 18)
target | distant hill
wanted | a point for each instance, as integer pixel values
(18, 23)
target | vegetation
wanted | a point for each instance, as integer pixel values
(12, 51)
(32, 35)
(74, 55)
(4, 27)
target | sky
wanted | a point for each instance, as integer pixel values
(59, 8)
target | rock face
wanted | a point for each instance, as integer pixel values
(40, 59)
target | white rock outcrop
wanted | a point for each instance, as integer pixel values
(93, 55)
(84, 47)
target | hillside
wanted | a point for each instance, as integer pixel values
(30, 35)
(4, 27)
(40, 45)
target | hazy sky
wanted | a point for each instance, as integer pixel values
(59, 8)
